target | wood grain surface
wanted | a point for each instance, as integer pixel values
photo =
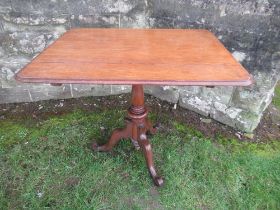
(136, 56)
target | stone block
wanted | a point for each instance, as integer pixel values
(199, 13)
(35, 19)
(224, 114)
(2, 52)
(86, 7)
(29, 42)
(196, 104)
(235, 117)
(217, 94)
(138, 20)
(87, 90)
(5, 6)
(119, 89)
(121, 6)
(46, 7)
(167, 93)
(101, 21)
(164, 22)
(189, 90)
(247, 121)
(98, 90)
(162, 9)
(258, 96)
(78, 90)
(8, 67)
(46, 91)
(14, 95)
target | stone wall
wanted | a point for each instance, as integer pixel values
(248, 28)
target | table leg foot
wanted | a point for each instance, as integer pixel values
(135, 144)
(116, 136)
(158, 181)
(147, 150)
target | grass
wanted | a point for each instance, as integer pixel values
(49, 164)
(276, 98)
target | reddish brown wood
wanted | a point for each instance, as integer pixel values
(116, 136)
(136, 128)
(136, 56)
(137, 108)
(147, 150)
(152, 129)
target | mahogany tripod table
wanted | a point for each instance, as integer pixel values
(136, 57)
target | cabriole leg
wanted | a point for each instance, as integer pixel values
(116, 136)
(147, 150)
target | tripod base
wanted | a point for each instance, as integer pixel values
(136, 129)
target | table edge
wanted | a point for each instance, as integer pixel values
(247, 82)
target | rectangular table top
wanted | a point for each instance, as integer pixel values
(136, 56)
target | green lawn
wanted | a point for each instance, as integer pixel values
(49, 164)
